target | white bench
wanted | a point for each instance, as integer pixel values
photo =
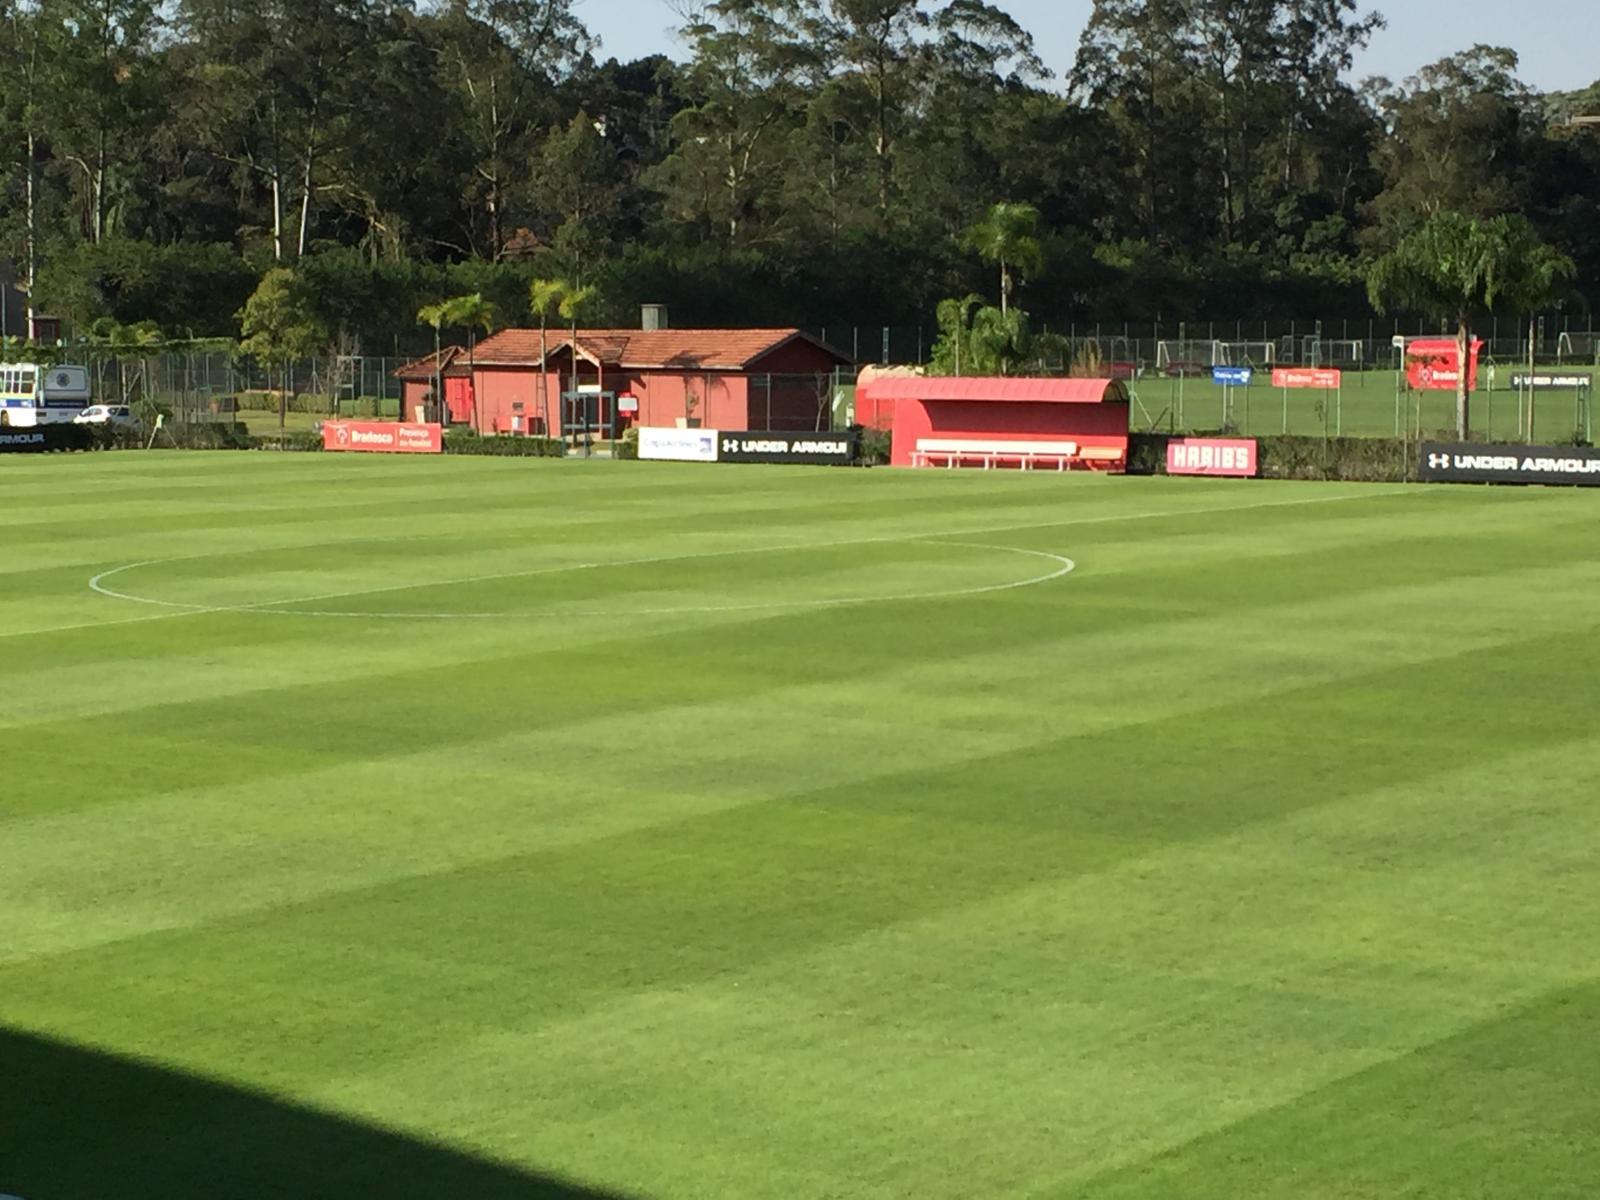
(991, 452)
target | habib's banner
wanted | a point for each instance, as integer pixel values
(1474, 462)
(1234, 457)
(384, 437)
(767, 446)
(1327, 378)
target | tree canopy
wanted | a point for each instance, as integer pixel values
(816, 162)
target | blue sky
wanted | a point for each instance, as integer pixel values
(1554, 37)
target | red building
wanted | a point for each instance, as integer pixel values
(991, 422)
(716, 378)
(417, 381)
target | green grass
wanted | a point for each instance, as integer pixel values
(1368, 406)
(1255, 857)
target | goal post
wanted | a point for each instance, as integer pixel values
(1187, 354)
(1246, 354)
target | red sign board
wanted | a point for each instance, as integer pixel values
(387, 437)
(1212, 456)
(1326, 378)
(1434, 365)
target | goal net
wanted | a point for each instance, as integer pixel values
(1246, 354)
(1189, 357)
(1314, 351)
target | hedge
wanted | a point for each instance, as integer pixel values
(461, 442)
(1351, 459)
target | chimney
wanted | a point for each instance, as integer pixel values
(653, 317)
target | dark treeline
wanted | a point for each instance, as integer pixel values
(812, 161)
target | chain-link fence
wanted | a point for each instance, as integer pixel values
(1355, 344)
(1169, 370)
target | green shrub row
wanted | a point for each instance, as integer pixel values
(265, 401)
(1366, 460)
(464, 442)
(627, 446)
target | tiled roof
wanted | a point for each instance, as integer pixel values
(638, 349)
(423, 368)
(1052, 390)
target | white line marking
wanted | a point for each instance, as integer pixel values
(1106, 519)
(275, 607)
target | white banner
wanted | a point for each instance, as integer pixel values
(678, 445)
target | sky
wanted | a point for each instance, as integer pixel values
(1554, 37)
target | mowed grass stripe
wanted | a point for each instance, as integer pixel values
(372, 709)
(1026, 1045)
(952, 898)
(311, 849)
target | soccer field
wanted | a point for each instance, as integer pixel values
(491, 828)
(1370, 404)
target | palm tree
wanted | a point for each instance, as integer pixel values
(1008, 236)
(435, 315)
(1456, 267)
(573, 302)
(544, 295)
(472, 312)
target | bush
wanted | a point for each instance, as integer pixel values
(466, 442)
(287, 439)
(627, 446)
(204, 435)
(1366, 460)
(875, 445)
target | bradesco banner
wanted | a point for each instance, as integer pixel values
(1457, 462)
(766, 446)
(384, 437)
(678, 445)
(1232, 376)
(1234, 457)
(1326, 378)
(1434, 364)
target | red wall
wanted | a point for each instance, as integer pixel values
(722, 397)
(799, 357)
(1085, 424)
(413, 393)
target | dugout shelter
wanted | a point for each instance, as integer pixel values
(991, 422)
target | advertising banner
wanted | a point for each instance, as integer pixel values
(383, 437)
(1234, 457)
(1557, 382)
(762, 446)
(1456, 462)
(1232, 376)
(1434, 364)
(678, 445)
(1326, 378)
(42, 438)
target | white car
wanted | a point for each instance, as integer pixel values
(107, 414)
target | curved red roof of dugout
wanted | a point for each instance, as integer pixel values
(1011, 389)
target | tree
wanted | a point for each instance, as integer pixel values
(1457, 267)
(1009, 237)
(1457, 139)
(280, 326)
(544, 297)
(578, 181)
(435, 315)
(471, 313)
(575, 301)
(100, 94)
(744, 86)
(500, 59)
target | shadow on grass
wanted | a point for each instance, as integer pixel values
(80, 1125)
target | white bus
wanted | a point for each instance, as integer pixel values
(31, 394)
